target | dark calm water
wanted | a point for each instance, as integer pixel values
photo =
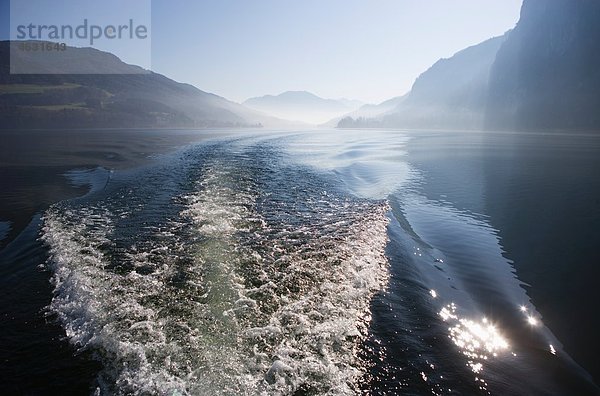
(314, 263)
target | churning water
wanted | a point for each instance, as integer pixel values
(316, 263)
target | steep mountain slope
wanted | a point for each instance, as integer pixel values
(547, 74)
(450, 94)
(542, 75)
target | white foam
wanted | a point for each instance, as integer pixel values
(265, 308)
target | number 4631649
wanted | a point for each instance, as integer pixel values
(46, 46)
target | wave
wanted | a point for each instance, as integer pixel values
(96, 178)
(5, 227)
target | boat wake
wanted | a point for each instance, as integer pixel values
(225, 272)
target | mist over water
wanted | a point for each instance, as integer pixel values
(319, 262)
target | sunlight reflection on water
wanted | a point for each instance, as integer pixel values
(478, 340)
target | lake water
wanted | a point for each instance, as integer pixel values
(311, 263)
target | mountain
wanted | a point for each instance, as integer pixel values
(547, 73)
(543, 75)
(301, 105)
(451, 94)
(368, 111)
(112, 95)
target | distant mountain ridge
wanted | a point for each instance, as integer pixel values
(368, 111)
(114, 100)
(302, 105)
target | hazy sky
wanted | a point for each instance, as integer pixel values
(370, 50)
